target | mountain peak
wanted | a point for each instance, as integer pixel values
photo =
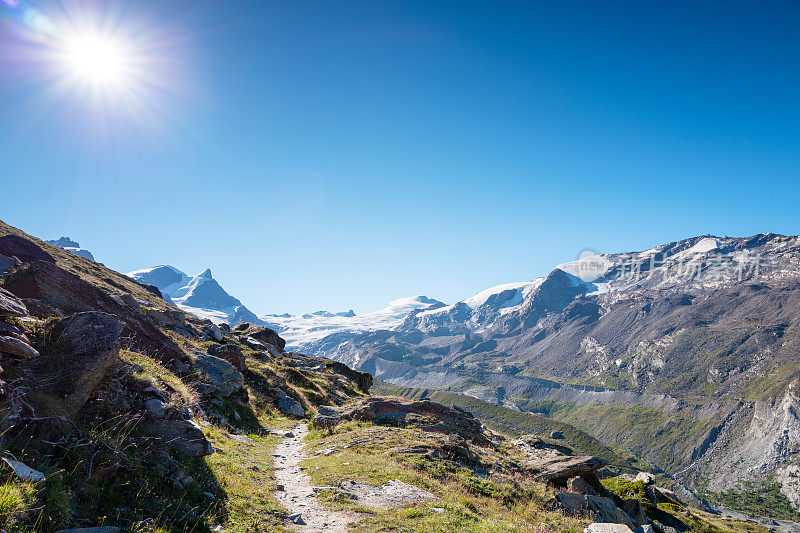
(206, 274)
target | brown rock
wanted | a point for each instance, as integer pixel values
(231, 353)
(25, 250)
(10, 305)
(362, 379)
(260, 333)
(70, 294)
(70, 370)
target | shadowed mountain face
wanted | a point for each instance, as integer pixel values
(686, 354)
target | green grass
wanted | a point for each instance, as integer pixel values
(245, 473)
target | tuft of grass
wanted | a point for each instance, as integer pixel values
(16, 500)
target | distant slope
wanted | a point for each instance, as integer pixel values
(515, 423)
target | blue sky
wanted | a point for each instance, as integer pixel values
(339, 155)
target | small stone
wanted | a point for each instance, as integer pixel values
(23, 471)
(155, 408)
(297, 518)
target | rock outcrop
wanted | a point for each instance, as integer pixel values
(23, 249)
(63, 290)
(260, 333)
(76, 358)
(221, 375)
(427, 415)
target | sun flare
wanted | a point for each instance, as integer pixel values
(96, 59)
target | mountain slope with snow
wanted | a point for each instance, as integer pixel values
(302, 332)
(695, 342)
(200, 295)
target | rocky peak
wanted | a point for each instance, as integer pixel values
(64, 242)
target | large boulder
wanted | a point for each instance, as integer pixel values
(635, 510)
(220, 374)
(363, 380)
(561, 468)
(74, 361)
(184, 436)
(229, 352)
(213, 331)
(70, 294)
(427, 415)
(39, 309)
(23, 249)
(260, 333)
(10, 305)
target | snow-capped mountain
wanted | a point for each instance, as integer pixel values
(72, 246)
(303, 331)
(200, 295)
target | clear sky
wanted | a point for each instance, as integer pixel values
(336, 155)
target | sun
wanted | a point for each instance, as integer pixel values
(96, 60)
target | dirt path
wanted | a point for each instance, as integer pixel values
(297, 495)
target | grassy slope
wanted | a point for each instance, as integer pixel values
(466, 501)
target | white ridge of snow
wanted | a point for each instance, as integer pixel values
(479, 299)
(304, 329)
(523, 288)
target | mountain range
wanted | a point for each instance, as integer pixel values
(686, 354)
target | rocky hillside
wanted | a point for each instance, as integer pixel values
(685, 354)
(120, 409)
(121, 412)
